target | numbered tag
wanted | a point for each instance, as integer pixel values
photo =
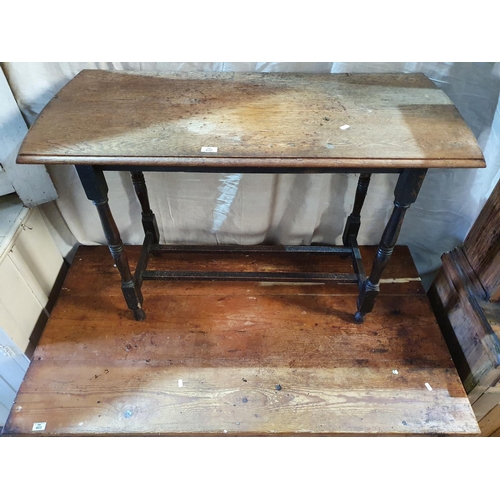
(209, 149)
(39, 426)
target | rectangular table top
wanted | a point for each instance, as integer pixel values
(278, 120)
(209, 357)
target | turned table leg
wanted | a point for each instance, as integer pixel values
(354, 220)
(96, 189)
(405, 194)
(148, 217)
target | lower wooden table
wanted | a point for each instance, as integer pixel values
(240, 358)
(252, 123)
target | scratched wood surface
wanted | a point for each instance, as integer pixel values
(482, 246)
(254, 119)
(233, 358)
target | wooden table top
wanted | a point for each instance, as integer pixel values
(278, 120)
(210, 355)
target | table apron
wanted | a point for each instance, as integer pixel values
(248, 170)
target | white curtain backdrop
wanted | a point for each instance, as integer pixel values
(285, 208)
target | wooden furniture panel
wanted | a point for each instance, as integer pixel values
(30, 264)
(19, 307)
(37, 250)
(233, 358)
(280, 120)
(489, 425)
(482, 246)
(464, 296)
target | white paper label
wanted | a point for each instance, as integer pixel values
(39, 426)
(209, 149)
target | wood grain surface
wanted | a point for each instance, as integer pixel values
(489, 424)
(482, 246)
(280, 120)
(243, 359)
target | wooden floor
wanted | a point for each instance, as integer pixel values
(227, 358)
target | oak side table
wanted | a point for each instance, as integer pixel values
(251, 123)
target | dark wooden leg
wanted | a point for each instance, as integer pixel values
(96, 189)
(354, 220)
(405, 194)
(148, 217)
